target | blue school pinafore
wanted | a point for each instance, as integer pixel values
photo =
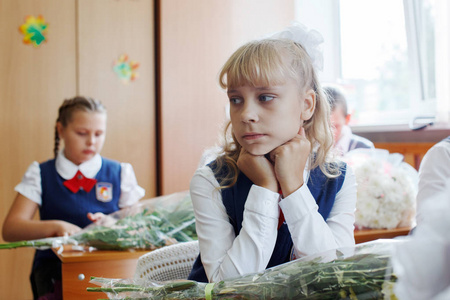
(322, 188)
(59, 203)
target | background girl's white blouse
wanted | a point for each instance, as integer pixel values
(30, 186)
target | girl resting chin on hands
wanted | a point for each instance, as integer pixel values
(274, 194)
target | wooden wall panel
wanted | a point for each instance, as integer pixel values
(107, 29)
(196, 37)
(33, 83)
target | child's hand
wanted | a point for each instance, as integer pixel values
(95, 217)
(62, 228)
(258, 169)
(289, 162)
(101, 219)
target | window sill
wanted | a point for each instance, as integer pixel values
(403, 134)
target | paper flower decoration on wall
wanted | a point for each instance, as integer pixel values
(34, 30)
(126, 70)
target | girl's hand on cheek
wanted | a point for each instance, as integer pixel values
(258, 169)
(290, 161)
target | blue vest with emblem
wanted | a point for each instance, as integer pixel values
(59, 203)
(322, 188)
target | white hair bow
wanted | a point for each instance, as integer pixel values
(310, 39)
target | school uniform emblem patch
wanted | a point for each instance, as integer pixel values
(104, 191)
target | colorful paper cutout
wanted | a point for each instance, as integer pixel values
(126, 70)
(34, 30)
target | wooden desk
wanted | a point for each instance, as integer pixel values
(365, 235)
(78, 267)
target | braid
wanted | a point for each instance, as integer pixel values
(68, 107)
(56, 148)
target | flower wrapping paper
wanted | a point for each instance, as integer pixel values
(360, 272)
(386, 189)
(150, 224)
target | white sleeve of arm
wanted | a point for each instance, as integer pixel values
(223, 254)
(30, 186)
(130, 191)
(434, 174)
(310, 233)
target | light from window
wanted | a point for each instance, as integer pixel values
(387, 58)
(424, 25)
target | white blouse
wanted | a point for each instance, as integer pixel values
(30, 186)
(434, 174)
(224, 255)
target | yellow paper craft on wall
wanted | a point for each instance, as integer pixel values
(34, 30)
(126, 70)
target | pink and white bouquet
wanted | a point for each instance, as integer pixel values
(386, 191)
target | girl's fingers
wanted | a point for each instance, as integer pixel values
(95, 217)
(272, 155)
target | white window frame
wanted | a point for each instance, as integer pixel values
(323, 15)
(443, 62)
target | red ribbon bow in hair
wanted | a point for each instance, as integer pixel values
(80, 181)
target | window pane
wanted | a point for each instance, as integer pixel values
(374, 53)
(425, 23)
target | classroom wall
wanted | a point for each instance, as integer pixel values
(159, 123)
(195, 39)
(84, 39)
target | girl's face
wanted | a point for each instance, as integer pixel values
(266, 117)
(338, 120)
(83, 136)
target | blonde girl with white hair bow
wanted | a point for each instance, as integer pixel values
(274, 193)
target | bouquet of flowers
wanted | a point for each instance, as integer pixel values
(150, 224)
(360, 272)
(386, 191)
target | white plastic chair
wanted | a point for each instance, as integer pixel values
(167, 263)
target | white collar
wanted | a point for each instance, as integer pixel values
(67, 169)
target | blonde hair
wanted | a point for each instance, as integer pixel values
(270, 62)
(68, 107)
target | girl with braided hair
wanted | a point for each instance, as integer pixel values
(71, 190)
